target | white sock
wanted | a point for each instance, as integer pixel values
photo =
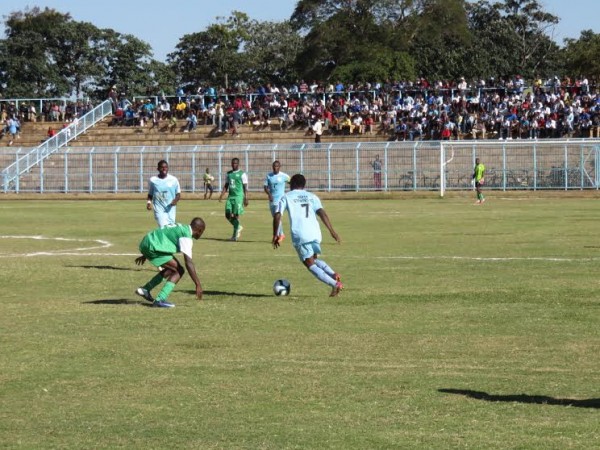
(321, 275)
(323, 265)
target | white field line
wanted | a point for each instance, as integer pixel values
(102, 244)
(492, 259)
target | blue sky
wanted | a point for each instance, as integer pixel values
(162, 24)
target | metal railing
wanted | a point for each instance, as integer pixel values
(405, 166)
(11, 174)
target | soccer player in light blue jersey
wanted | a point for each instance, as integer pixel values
(275, 188)
(163, 194)
(303, 207)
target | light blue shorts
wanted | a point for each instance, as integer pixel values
(165, 218)
(308, 250)
(273, 208)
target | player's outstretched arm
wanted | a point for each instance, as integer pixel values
(325, 219)
(140, 260)
(191, 268)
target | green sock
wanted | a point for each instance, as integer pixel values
(165, 291)
(158, 278)
(236, 225)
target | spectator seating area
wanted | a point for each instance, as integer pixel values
(402, 111)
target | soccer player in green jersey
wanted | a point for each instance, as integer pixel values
(237, 185)
(478, 174)
(159, 247)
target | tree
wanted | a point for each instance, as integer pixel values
(27, 66)
(581, 55)
(270, 52)
(345, 37)
(126, 62)
(439, 37)
(212, 56)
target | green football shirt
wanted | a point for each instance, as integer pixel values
(479, 171)
(236, 180)
(167, 241)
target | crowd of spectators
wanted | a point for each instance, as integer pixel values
(482, 109)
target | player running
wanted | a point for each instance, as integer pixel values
(303, 207)
(275, 188)
(237, 185)
(164, 192)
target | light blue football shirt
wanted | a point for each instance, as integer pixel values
(276, 185)
(163, 192)
(302, 207)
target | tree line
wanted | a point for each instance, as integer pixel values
(45, 53)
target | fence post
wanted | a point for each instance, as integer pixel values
(566, 172)
(415, 167)
(442, 170)
(581, 167)
(116, 179)
(329, 168)
(356, 188)
(220, 165)
(91, 172)
(141, 172)
(194, 169)
(385, 165)
(504, 167)
(534, 167)
(42, 176)
(67, 171)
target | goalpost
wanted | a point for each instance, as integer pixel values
(443, 164)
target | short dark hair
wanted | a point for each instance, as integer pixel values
(235, 159)
(297, 181)
(161, 162)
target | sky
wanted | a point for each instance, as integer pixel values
(162, 24)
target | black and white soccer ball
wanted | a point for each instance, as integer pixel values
(282, 288)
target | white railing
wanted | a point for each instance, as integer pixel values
(11, 174)
(405, 166)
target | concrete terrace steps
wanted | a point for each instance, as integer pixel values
(104, 134)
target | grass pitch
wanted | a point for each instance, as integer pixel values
(461, 326)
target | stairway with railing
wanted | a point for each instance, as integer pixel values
(12, 173)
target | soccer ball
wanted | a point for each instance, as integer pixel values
(282, 288)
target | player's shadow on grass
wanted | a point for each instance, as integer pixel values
(241, 241)
(232, 294)
(104, 267)
(524, 398)
(117, 301)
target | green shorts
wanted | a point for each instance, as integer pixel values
(234, 206)
(156, 258)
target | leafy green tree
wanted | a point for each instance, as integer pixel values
(344, 37)
(270, 52)
(512, 37)
(126, 63)
(581, 55)
(212, 56)
(27, 66)
(439, 38)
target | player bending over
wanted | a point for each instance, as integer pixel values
(159, 247)
(303, 207)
